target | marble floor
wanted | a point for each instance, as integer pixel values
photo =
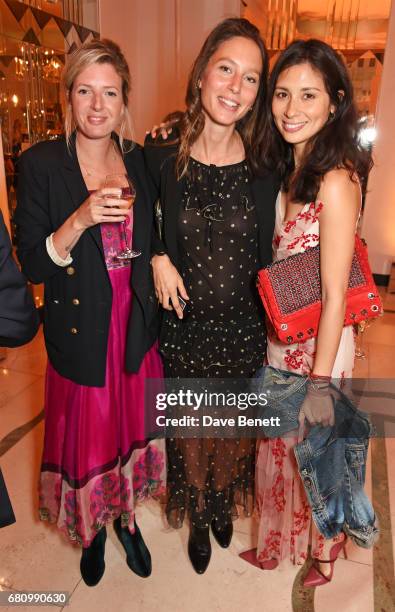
(34, 557)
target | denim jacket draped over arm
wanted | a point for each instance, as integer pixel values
(331, 460)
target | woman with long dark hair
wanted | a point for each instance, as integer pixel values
(313, 145)
(218, 220)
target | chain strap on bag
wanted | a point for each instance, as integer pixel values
(290, 290)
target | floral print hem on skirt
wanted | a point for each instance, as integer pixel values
(81, 512)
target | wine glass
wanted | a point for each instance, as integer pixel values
(126, 192)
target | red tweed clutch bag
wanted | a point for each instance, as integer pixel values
(290, 290)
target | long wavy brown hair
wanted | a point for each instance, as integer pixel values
(251, 126)
(336, 145)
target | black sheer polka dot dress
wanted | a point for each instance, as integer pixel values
(223, 336)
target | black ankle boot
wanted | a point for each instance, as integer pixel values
(138, 556)
(92, 564)
(223, 536)
(199, 548)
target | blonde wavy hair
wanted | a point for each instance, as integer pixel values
(98, 52)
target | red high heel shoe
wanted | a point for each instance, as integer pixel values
(250, 557)
(314, 576)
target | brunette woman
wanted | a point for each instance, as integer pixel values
(218, 220)
(314, 143)
(100, 320)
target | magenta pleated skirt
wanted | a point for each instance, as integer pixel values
(96, 461)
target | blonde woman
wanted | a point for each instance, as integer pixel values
(100, 317)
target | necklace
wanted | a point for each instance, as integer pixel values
(90, 171)
(235, 150)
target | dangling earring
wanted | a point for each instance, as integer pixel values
(199, 84)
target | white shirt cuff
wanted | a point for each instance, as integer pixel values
(54, 255)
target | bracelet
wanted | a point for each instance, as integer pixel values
(159, 255)
(318, 386)
(52, 252)
(320, 377)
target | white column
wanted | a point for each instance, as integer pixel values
(90, 14)
(378, 226)
(160, 39)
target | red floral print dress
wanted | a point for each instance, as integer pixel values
(283, 511)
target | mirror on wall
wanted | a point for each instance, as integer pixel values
(30, 102)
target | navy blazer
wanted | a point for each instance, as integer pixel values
(78, 298)
(18, 316)
(7, 516)
(160, 159)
